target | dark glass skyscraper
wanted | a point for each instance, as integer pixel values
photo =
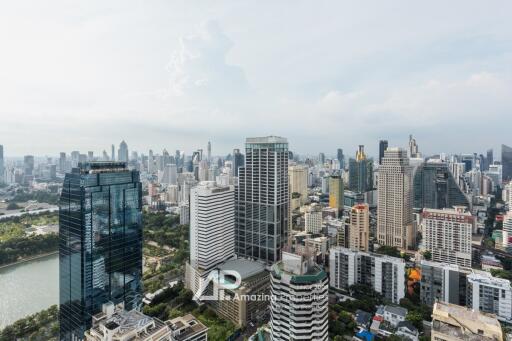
(360, 172)
(262, 199)
(435, 187)
(506, 162)
(383, 145)
(238, 161)
(100, 248)
(341, 158)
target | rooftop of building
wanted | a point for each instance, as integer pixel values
(476, 325)
(392, 309)
(93, 167)
(245, 267)
(122, 323)
(266, 139)
(184, 327)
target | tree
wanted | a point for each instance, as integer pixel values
(427, 255)
(416, 319)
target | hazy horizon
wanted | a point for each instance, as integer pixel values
(326, 75)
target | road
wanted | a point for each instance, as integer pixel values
(19, 214)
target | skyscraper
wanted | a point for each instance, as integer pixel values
(359, 231)
(394, 213)
(383, 145)
(360, 171)
(122, 153)
(2, 165)
(435, 187)
(28, 165)
(262, 199)
(341, 158)
(299, 181)
(238, 161)
(321, 158)
(299, 308)
(336, 192)
(413, 148)
(209, 150)
(490, 157)
(113, 154)
(100, 249)
(212, 230)
(506, 162)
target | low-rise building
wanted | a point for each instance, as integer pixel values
(452, 322)
(115, 323)
(187, 328)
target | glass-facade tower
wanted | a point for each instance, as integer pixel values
(262, 199)
(506, 162)
(435, 187)
(100, 248)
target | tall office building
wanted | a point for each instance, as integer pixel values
(299, 181)
(238, 161)
(435, 187)
(113, 153)
(447, 235)
(122, 153)
(384, 274)
(262, 199)
(100, 248)
(383, 145)
(336, 192)
(413, 148)
(490, 157)
(359, 230)
(209, 151)
(321, 158)
(506, 162)
(299, 308)
(341, 158)
(443, 282)
(2, 165)
(28, 165)
(212, 225)
(360, 172)
(394, 213)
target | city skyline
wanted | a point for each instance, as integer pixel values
(175, 73)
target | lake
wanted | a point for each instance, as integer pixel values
(27, 288)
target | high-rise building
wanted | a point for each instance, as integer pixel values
(212, 225)
(395, 196)
(435, 187)
(359, 230)
(313, 219)
(299, 308)
(506, 162)
(447, 235)
(443, 282)
(336, 192)
(452, 322)
(113, 153)
(413, 148)
(262, 199)
(28, 165)
(489, 294)
(238, 161)
(209, 151)
(490, 157)
(360, 171)
(122, 153)
(2, 165)
(100, 249)
(384, 274)
(299, 181)
(321, 158)
(383, 145)
(341, 158)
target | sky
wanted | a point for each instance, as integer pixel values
(82, 75)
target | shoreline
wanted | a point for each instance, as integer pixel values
(25, 260)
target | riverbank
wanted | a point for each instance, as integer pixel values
(28, 259)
